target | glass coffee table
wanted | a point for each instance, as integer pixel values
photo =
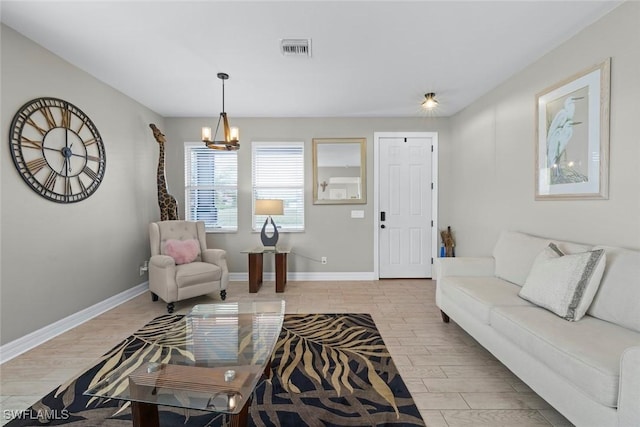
(221, 356)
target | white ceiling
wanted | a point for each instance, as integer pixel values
(370, 58)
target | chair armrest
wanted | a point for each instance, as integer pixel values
(629, 392)
(219, 258)
(162, 277)
(464, 266)
(215, 256)
(162, 261)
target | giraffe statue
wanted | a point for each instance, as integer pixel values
(167, 203)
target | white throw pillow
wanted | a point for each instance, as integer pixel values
(564, 284)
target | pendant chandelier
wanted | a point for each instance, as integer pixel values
(231, 135)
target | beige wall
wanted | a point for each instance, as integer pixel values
(58, 259)
(492, 179)
(329, 229)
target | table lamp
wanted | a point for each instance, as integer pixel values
(269, 207)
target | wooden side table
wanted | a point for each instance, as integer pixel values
(256, 256)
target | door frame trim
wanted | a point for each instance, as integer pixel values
(376, 189)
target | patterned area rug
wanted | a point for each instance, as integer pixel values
(327, 370)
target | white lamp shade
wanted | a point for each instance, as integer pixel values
(269, 207)
(234, 134)
(206, 134)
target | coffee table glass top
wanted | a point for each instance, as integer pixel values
(210, 360)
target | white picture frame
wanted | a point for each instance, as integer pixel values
(572, 137)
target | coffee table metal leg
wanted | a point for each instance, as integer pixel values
(255, 272)
(144, 414)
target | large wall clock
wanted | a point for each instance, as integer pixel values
(57, 150)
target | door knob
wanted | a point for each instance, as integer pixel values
(383, 226)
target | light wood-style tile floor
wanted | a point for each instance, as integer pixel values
(453, 380)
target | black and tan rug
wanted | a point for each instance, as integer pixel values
(327, 370)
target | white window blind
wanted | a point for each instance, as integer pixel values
(278, 173)
(211, 187)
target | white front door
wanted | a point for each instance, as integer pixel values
(405, 207)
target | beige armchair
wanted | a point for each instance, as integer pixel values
(181, 266)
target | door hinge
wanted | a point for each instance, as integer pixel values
(432, 223)
(405, 140)
(432, 185)
(432, 148)
(431, 260)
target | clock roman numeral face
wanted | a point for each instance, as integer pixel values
(57, 150)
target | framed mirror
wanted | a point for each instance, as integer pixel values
(339, 171)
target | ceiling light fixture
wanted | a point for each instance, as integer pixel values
(430, 101)
(231, 135)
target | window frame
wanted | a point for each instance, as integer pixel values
(189, 147)
(257, 227)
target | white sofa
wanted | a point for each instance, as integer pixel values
(588, 370)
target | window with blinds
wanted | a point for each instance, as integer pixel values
(278, 173)
(211, 187)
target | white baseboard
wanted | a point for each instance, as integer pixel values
(34, 339)
(307, 276)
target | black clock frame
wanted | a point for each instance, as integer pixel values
(76, 187)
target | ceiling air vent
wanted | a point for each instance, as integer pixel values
(295, 47)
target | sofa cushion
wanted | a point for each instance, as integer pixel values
(515, 252)
(197, 273)
(618, 297)
(587, 353)
(564, 284)
(478, 295)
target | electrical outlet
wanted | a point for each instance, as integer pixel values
(144, 267)
(323, 259)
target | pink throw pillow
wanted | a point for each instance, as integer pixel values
(182, 251)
